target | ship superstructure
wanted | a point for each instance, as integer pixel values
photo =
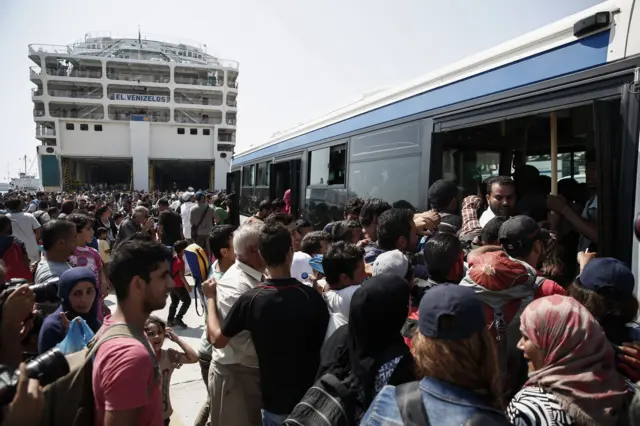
(133, 112)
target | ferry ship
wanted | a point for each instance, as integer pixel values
(139, 112)
(25, 182)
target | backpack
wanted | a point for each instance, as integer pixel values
(329, 402)
(513, 369)
(69, 401)
(38, 215)
(196, 258)
(13, 258)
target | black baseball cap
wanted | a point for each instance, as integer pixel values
(607, 272)
(456, 302)
(442, 191)
(519, 232)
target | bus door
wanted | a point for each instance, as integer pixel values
(283, 176)
(233, 187)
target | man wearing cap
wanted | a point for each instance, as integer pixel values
(201, 218)
(523, 240)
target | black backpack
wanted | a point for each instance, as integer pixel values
(329, 402)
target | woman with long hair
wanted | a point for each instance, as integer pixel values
(572, 374)
(456, 359)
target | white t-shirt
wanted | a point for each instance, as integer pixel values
(339, 301)
(185, 211)
(23, 225)
(486, 217)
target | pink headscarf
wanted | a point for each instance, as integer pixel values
(579, 365)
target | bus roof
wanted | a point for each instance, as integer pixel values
(548, 52)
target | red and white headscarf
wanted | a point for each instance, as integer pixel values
(579, 362)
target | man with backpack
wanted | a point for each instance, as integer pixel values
(126, 383)
(522, 238)
(506, 281)
(119, 364)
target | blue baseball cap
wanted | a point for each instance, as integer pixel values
(456, 302)
(607, 272)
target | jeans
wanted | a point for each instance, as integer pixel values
(203, 415)
(270, 419)
(179, 294)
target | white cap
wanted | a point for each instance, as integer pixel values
(186, 196)
(300, 268)
(391, 262)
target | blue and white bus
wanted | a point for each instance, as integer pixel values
(572, 86)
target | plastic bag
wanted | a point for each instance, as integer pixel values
(78, 335)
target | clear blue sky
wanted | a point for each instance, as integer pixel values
(298, 58)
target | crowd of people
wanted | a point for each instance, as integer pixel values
(492, 309)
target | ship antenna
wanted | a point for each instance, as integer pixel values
(139, 36)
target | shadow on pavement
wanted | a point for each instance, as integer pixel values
(194, 333)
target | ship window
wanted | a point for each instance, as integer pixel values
(97, 127)
(206, 132)
(181, 130)
(70, 126)
(193, 131)
(84, 127)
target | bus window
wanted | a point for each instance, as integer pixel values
(248, 173)
(319, 167)
(392, 180)
(327, 166)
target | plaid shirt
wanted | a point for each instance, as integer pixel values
(470, 222)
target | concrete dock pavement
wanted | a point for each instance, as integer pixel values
(187, 390)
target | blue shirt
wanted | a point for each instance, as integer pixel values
(446, 405)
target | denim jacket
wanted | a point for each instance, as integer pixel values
(446, 405)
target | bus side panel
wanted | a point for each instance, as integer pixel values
(633, 36)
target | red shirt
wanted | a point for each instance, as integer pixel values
(176, 268)
(122, 377)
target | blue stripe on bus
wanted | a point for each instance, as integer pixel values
(580, 55)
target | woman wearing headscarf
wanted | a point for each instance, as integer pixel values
(456, 360)
(371, 346)
(287, 201)
(80, 298)
(572, 374)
